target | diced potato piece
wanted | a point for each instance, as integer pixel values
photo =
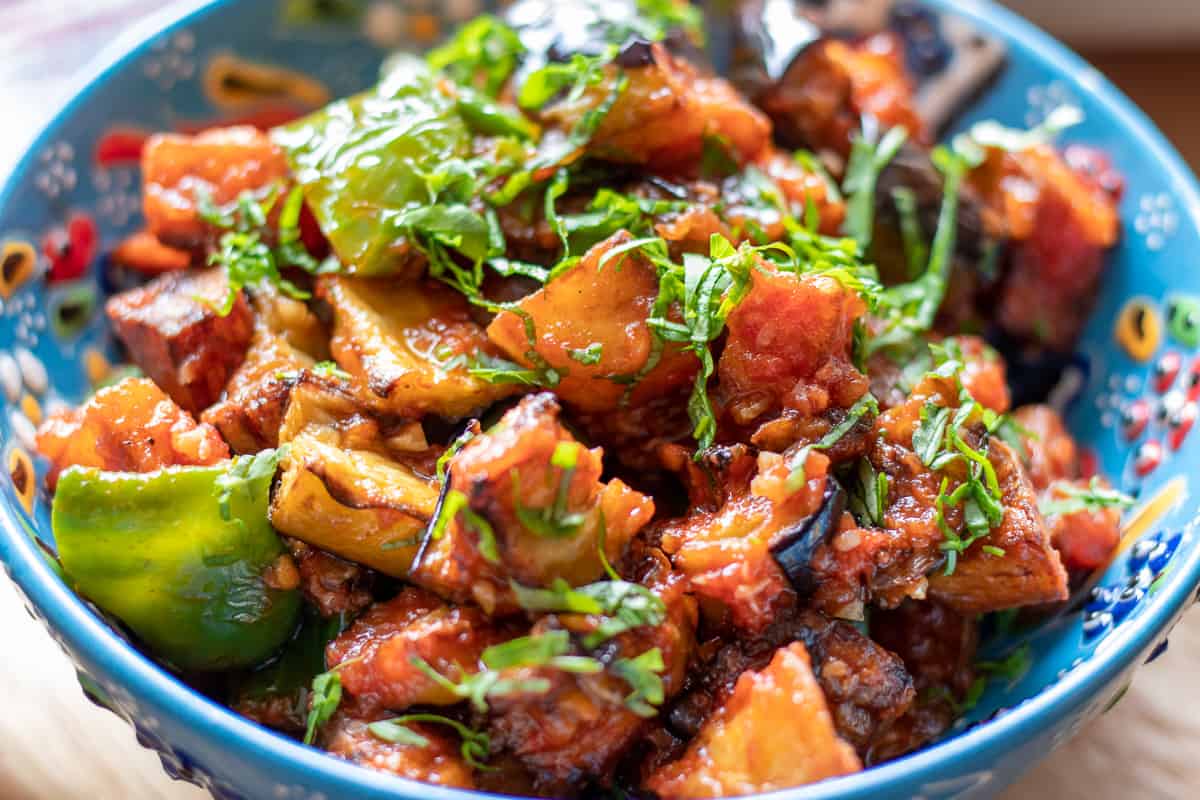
(542, 528)
(603, 306)
(664, 116)
(173, 332)
(129, 427)
(775, 732)
(399, 341)
(251, 412)
(222, 163)
(356, 504)
(439, 762)
(377, 651)
(1028, 573)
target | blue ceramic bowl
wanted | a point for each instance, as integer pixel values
(78, 184)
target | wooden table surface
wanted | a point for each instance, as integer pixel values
(57, 746)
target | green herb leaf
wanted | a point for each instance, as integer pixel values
(484, 53)
(869, 156)
(1066, 498)
(930, 434)
(644, 676)
(588, 356)
(867, 404)
(476, 745)
(623, 605)
(326, 697)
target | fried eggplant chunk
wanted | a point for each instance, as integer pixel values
(1028, 573)
(173, 331)
(582, 726)
(866, 686)
(820, 101)
(530, 507)
(128, 427)
(357, 504)
(330, 584)
(251, 411)
(408, 345)
(774, 732)
(1060, 213)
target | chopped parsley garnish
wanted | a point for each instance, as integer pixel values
(991, 134)
(870, 154)
(476, 745)
(544, 650)
(588, 356)
(470, 432)
(554, 522)
(623, 605)
(1066, 498)
(867, 490)
(455, 503)
(908, 309)
(246, 259)
(325, 698)
(866, 405)
(484, 53)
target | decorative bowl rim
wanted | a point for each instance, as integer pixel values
(92, 637)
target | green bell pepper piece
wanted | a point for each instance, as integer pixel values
(179, 557)
(363, 162)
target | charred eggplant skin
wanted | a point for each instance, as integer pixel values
(793, 549)
(155, 551)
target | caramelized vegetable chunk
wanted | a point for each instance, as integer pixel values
(402, 343)
(377, 651)
(664, 116)
(174, 333)
(533, 508)
(221, 164)
(774, 732)
(1028, 573)
(129, 427)
(1085, 539)
(1062, 220)
(866, 686)
(251, 411)
(726, 554)
(439, 761)
(827, 91)
(583, 724)
(329, 584)
(357, 504)
(789, 348)
(599, 306)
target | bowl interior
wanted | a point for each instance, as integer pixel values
(76, 194)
